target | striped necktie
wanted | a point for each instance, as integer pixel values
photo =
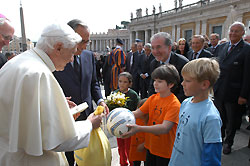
(231, 48)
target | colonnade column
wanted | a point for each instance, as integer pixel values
(146, 36)
(131, 39)
(197, 27)
(178, 32)
(173, 34)
(204, 27)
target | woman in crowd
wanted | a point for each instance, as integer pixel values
(183, 47)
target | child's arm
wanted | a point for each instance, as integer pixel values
(211, 154)
(158, 129)
(138, 113)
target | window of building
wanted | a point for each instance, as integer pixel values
(188, 34)
(217, 29)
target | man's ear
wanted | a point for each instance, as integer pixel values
(57, 48)
(169, 48)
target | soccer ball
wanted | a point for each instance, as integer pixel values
(117, 121)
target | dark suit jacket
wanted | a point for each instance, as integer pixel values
(86, 89)
(178, 61)
(204, 53)
(210, 49)
(106, 72)
(3, 60)
(234, 80)
(133, 70)
(144, 64)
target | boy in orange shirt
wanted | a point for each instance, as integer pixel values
(163, 110)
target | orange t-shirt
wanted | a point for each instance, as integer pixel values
(160, 109)
(136, 140)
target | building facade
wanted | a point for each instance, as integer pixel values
(203, 17)
(100, 42)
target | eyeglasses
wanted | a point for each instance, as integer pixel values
(7, 37)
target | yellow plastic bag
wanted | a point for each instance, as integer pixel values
(98, 152)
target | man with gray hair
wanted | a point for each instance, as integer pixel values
(161, 50)
(231, 90)
(6, 34)
(78, 80)
(214, 40)
(144, 70)
(198, 51)
(36, 124)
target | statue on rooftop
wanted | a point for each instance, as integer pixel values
(180, 3)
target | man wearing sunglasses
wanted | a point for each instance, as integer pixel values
(6, 33)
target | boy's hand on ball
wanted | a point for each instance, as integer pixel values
(96, 120)
(133, 129)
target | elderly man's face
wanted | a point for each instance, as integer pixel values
(197, 45)
(84, 33)
(147, 51)
(6, 34)
(235, 33)
(65, 55)
(133, 48)
(139, 46)
(160, 50)
(214, 40)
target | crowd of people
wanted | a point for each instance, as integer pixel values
(188, 100)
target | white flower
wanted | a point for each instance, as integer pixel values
(108, 98)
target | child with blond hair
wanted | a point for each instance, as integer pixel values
(198, 138)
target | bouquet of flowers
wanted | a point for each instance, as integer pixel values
(116, 99)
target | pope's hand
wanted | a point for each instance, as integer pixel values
(95, 120)
(75, 116)
(70, 103)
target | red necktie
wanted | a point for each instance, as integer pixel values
(230, 50)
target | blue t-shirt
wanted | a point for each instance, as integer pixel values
(199, 123)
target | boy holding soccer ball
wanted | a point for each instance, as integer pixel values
(163, 110)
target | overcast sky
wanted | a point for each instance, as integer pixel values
(100, 15)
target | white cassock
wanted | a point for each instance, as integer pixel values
(35, 120)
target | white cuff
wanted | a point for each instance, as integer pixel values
(100, 100)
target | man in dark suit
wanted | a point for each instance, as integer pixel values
(144, 70)
(232, 88)
(6, 34)
(161, 49)
(197, 51)
(78, 79)
(214, 40)
(132, 62)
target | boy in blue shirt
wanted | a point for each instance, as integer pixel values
(198, 139)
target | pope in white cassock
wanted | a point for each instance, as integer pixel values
(35, 120)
